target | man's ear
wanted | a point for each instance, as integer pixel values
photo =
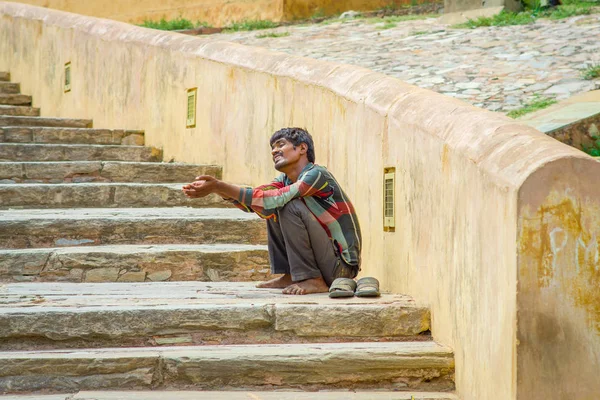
(303, 148)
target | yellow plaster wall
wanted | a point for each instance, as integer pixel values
(459, 169)
(214, 12)
(298, 9)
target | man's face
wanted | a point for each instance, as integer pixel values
(284, 153)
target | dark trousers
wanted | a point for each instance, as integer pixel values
(300, 246)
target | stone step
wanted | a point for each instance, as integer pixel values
(20, 111)
(136, 263)
(7, 121)
(415, 366)
(241, 395)
(15, 99)
(70, 135)
(102, 171)
(10, 88)
(89, 226)
(5, 76)
(106, 195)
(77, 152)
(70, 315)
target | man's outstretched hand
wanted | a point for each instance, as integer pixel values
(201, 187)
(204, 185)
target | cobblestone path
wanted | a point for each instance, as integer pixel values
(497, 68)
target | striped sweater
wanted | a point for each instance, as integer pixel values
(324, 198)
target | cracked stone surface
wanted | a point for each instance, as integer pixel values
(386, 365)
(221, 312)
(64, 135)
(135, 263)
(244, 395)
(29, 195)
(104, 171)
(77, 152)
(496, 68)
(44, 228)
(23, 111)
(7, 120)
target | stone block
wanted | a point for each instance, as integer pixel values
(23, 111)
(15, 99)
(72, 152)
(133, 276)
(7, 120)
(133, 138)
(9, 88)
(49, 228)
(102, 275)
(159, 276)
(18, 135)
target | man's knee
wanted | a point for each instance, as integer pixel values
(295, 207)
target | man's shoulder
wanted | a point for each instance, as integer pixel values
(316, 168)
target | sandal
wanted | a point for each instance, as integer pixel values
(367, 287)
(342, 287)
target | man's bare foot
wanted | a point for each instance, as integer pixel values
(277, 283)
(314, 285)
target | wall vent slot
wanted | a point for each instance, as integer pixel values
(68, 77)
(389, 192)
(191, 108)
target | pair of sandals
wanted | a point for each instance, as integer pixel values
(346, 287)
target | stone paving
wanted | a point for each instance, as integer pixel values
(497, 68)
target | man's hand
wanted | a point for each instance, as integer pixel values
(204, 185)
(201, 187)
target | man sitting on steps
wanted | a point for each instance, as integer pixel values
(313, 231)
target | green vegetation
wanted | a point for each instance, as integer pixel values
(173, 24)
(418, 33)
(592, 72)
(250, 25)
(536, 104)
(318, 14)
(387, 25)
(569, 8)
(594, 149)
(272, 35)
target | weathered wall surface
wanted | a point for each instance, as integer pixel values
(451, 6)
(298, 9)
(559, 281)
(215, 12)
(461, 203)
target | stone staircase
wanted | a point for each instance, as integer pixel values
(113, 285)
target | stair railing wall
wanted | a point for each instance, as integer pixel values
(476, 236)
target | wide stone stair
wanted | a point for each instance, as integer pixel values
(113, 285)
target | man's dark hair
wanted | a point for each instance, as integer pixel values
(296, 136)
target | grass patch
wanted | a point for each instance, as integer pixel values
(536, 104)
(272, 35)
(387, 25)
(318, 14)
(250, 25)
(172, 24)
(419, 33)
(592, 72)
(594, 149)
(507, 18)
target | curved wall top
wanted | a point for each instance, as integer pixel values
(465, 177)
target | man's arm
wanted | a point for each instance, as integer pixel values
(206, 184)
(266, 199)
